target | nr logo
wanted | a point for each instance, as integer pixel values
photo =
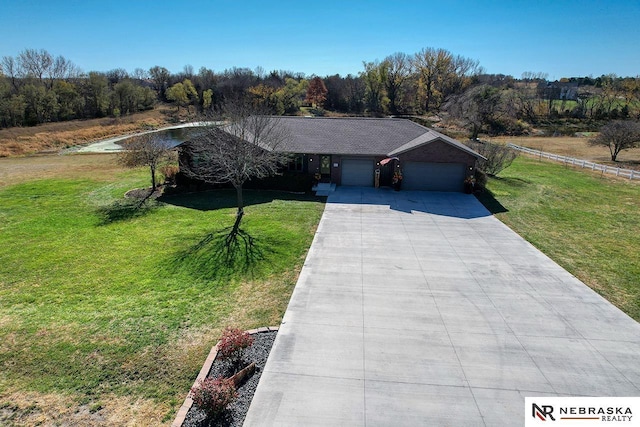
(542, 412)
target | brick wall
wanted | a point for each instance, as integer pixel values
(438, 152)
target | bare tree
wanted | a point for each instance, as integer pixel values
(149, 149)
(13, 70)
(618, 135)
(36, 63)
(476, 108)
(496, 156)
(63, 69)
(244, 146)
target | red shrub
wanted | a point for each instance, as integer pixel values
(214, 395)
(232, 343)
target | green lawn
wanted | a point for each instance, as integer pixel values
(113, 307)
(108, 311)
(587, 223)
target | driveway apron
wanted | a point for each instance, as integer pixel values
(419, 308)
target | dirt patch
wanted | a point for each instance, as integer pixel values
(37, 409)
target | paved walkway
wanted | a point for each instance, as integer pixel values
(418, 308)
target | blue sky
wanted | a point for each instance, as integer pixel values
(562, 38)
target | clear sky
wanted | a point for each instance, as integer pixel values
(562, 38)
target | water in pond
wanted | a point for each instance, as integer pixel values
(175, 136)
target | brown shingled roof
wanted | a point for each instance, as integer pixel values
(358, 136)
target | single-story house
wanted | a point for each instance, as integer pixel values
(372, 151)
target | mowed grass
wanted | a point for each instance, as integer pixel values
(587, 223)
(107, 312)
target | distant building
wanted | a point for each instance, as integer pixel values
(567, 91)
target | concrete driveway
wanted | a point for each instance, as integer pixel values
(418, 308)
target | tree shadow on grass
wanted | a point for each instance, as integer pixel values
(490, 202)
(126, 208)
(225, 198)
(222, 253)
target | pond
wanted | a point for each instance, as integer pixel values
(175, 135)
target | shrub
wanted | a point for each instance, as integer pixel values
(214, 395)
(233, 343)
(480, 180)
(498, 156)
(169, 172)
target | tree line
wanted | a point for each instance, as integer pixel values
(36, 87)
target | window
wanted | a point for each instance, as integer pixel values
(296, 163)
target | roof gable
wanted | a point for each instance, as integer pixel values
(427, 138)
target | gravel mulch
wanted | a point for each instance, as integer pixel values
(258, 353)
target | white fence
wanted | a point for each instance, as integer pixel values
(627, 173)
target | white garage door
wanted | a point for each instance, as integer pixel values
(433, 176)
(358, 172)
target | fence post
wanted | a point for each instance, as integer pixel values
(631, 174)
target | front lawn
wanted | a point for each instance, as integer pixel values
(108, 312)
(586, 222)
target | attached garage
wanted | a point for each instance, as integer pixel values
(357, 172)
(433, 176)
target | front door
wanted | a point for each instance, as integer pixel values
(325, 167)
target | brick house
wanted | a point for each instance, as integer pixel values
(369, 151)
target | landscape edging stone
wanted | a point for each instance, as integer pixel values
(188, 401)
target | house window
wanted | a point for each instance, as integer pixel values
(325, 165)
(296, 163)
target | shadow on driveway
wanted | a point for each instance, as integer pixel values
(443, 204)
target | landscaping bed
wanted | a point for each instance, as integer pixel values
(236, 412)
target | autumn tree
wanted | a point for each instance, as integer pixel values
(290, 95)
(183, 94)
(246, 145)
(149, 149)
(96, 89)
(207, 99)
(71, 104)
(442, 74)
(618, 135)
(160, 77)
(398, 69)
(374, 77)
(316, 92)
